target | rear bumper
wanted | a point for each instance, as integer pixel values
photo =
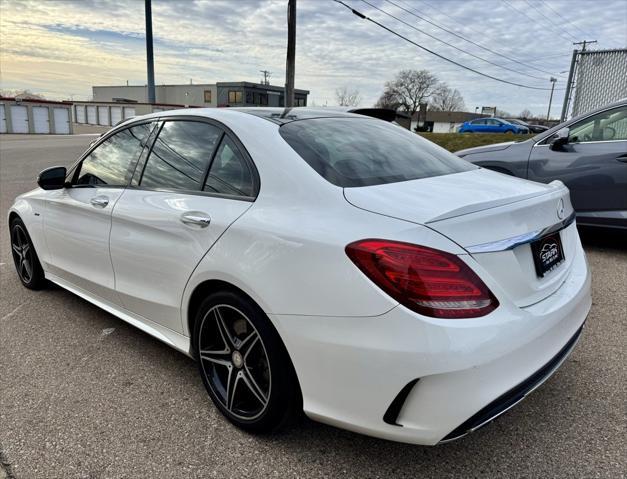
(504, 403)
(452, 376)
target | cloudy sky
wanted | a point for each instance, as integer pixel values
(61, 48)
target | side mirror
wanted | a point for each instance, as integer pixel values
(52, 178)
(560, 139)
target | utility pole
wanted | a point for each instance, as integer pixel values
(584, 43)
(266, 74)
(548, 113)
(150, 63)
(571, 76)
(291, 53)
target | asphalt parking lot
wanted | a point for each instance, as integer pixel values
(84, 395)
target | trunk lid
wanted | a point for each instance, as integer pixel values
(477, 208)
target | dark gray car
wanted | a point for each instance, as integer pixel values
(588, 153)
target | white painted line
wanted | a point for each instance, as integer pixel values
(7, 316)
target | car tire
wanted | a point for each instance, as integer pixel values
(25, 258)
(244, 365)
(509, 132)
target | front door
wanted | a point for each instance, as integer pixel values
(593, 164)
(77, 220)
(196, 182)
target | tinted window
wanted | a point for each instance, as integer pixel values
(109, 163)
(180, 155)
(604, 126)
(230, 174)
(361, 152)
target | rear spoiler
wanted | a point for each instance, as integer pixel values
(379, 113)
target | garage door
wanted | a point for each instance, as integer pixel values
(116, 115)
(80, 114)
(103, 115)
(129, 112)
(91, 115)
(41, 120)
(61, 121)
(19, 119)
(3, 120)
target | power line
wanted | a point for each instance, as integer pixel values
(364, 17)
(465, 26)
(451, 45)
(561, 16)
(502, 55)
(534, 20)
(550, 21)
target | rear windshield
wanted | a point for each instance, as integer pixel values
(361, 152)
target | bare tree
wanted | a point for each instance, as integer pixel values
(410, 89)
(21, 94)
(346, 97)
(447, 99)
(388, 100)
(502, 113)
(525, 114)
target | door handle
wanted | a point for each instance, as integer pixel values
(99, 201)
(622, 158)
(196, 218)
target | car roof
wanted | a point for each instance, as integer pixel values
(281, 116)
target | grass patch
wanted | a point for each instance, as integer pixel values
(458, 141)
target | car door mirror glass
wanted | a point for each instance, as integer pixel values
(52, 178)
(559, 139)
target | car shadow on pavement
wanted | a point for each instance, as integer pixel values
(603, 238)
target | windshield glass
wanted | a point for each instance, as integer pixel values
(361, 152)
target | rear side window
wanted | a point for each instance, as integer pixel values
(180, 155)
(109, 163)
(361, 152)
(230, 173)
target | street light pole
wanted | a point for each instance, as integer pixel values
(548, 113)
(291, 53)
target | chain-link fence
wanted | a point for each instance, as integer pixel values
(601, 78)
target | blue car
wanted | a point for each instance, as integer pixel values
(492, 125)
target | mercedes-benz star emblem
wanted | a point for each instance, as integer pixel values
(560, 209)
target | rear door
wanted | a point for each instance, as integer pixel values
(77, 220)
(479, 126)
(195, 183)
(593, 164)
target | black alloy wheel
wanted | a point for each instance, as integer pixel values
(27, 264)
(244, 365)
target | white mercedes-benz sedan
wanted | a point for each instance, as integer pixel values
(320, 261)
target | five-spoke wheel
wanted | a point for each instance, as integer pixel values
(244, 364)
(24, 256)
(234, 361)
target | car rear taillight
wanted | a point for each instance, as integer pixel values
(426, 280)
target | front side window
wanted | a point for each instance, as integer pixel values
(230, 173)
(180, 155)
(360, 152)
(109, 164)
(605, 126)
